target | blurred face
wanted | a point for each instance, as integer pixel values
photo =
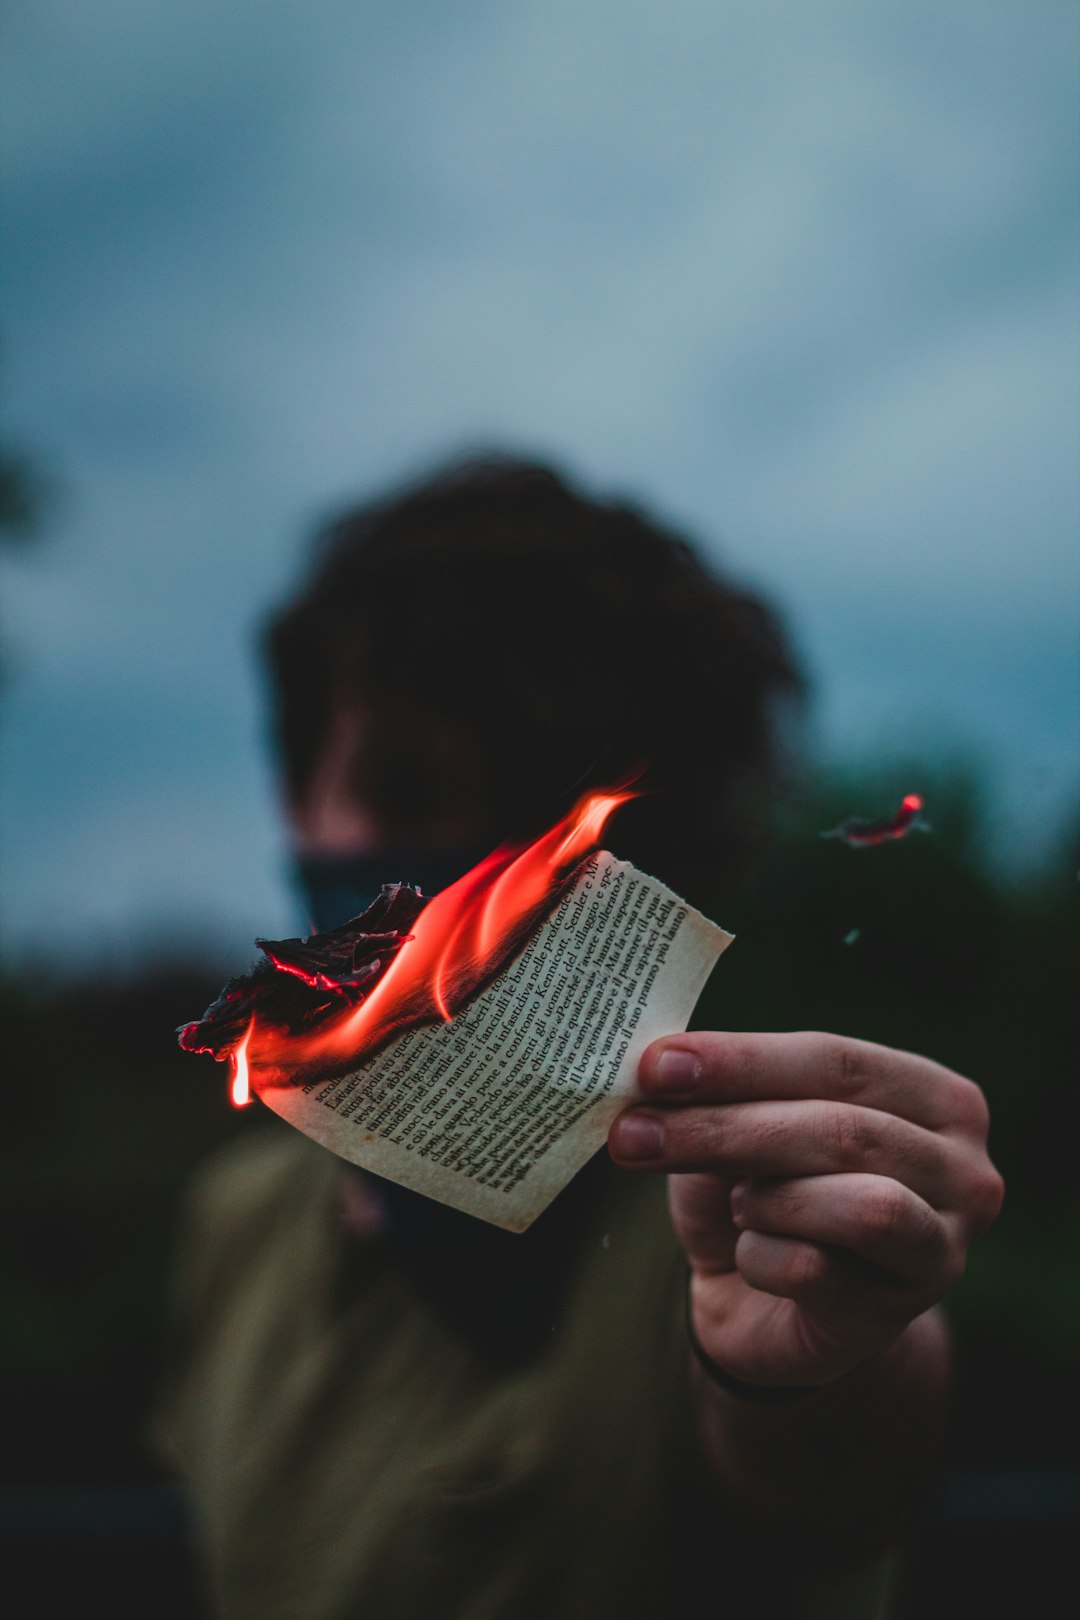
(329, 819)
(345, 846)
(400, 777)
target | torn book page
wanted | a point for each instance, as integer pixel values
(494, 1111)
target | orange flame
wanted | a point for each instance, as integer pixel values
(240, 1090)
(459, 937)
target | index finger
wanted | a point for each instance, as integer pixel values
(742, 1067)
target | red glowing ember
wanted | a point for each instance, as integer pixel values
(319, 1004)
(864, 834)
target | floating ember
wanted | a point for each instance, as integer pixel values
(864, 834)
(315, 1004)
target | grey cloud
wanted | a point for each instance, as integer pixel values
(801, 275)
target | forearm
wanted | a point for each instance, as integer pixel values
(852, 1459)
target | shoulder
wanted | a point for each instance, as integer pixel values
(271, 1181)
(251, 1175)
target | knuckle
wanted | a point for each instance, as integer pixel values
(930, 1233)
(774, 1207)
(850, 1068)
(839, 1062)
(928, 1241)
(746, 1061)
(988, 1195)
(698, 1135)
(970, 1107)
(784, 1202)
(887, 1212)
(845, 1134)
(808, 1268)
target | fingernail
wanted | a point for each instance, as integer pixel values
(639, 1136)
(675, 1070)
(738, 1201)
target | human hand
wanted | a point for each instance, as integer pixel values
(826, 1192)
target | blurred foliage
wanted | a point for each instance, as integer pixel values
(23, 497)
(104, 1122)
(106, 1118)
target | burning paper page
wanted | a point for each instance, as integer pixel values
(494, 1111)
(483, 1062)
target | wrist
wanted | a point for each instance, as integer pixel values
(720, 1378)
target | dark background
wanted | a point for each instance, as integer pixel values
(106, 1119)
(801, 275)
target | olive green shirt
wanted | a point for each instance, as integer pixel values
(350, 1456)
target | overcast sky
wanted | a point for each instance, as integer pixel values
(804, 277)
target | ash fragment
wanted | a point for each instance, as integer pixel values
(302, 981)
(860, 834)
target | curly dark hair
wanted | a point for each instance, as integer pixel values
(510, 638)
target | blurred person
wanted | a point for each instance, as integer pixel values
(714, 1370)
